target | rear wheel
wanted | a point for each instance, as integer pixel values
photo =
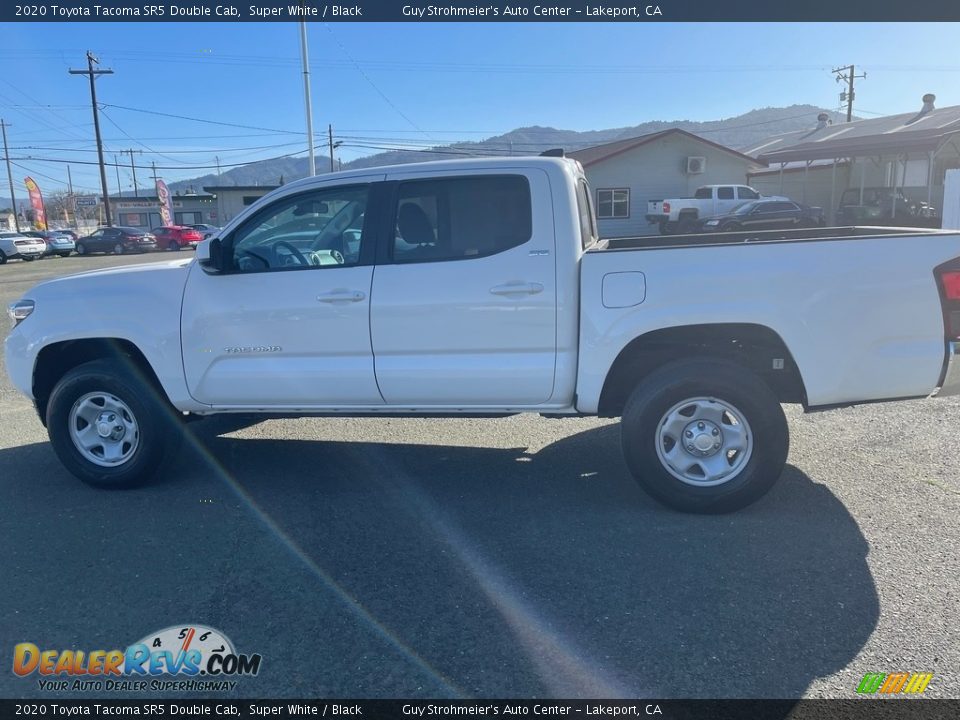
(64, 254)
(108, 428)
(118, 249)
(173, 245)
(687, 225)
(705, 436)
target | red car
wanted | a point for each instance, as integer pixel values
(174, 237)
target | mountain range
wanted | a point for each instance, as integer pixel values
(735, 132)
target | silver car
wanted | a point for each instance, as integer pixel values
(14, 245)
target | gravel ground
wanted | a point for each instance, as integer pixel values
(511, 558)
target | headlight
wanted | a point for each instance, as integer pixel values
(713, 222)
(20, 311)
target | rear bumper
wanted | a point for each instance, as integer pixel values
(950, 384)
(651, 218)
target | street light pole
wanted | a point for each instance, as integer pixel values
(13, 200)
(306, 94)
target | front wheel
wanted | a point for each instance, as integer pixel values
(108, 428)
(705, 436)
(81, 249)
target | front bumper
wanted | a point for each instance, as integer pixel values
(950, 385)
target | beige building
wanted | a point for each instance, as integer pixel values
(231, 200)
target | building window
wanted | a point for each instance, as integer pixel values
(613, 203)
(188, 218)
(133, 219)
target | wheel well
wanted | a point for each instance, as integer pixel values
(684, 214)
(755, 347)
(55, 360)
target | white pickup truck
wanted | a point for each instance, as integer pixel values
(683, 215)
(480, 288)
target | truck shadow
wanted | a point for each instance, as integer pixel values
(365, 569)
(556, 569)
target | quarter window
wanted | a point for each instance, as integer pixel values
(613, 203)
(323, 228)
(456, 218)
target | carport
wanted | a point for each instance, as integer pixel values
(909, 152)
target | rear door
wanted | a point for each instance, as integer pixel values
(464, 308)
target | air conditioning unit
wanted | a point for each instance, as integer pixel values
(696, 165)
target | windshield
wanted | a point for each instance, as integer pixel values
(745, 209)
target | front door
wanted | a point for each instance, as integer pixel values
(287, 324)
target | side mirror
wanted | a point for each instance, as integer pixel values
(210, 255)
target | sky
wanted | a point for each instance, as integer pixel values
(411, 84)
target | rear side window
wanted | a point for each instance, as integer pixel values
(461, 217)
(703, 193)
(588, 228)
(725, 193)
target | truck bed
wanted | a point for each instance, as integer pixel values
(660, 242)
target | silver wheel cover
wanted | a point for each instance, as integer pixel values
(704, 441)
(103, 429)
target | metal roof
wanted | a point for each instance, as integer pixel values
(598, 153)
(891, 135)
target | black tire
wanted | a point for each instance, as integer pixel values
(155, 421)
(29, 259)
(81, 249)
(3, 258)
(173, 245)
(118, 249)
(64, 254)
(676, 382)
(687, 225)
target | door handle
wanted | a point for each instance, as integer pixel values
(517, 288)
(342, 296)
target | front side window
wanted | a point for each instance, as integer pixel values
(461, 217)
(745, 193)
(613, 203)
(316, 229)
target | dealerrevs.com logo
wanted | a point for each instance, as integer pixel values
(178, 658)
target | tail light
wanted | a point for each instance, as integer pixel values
(666, 207)
(948, 281)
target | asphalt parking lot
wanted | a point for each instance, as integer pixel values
(493, 558)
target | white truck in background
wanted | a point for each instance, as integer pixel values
(480, 288)
(683, 215)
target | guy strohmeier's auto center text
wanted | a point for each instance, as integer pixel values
(326, 11)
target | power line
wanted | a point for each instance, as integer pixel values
(200, 120)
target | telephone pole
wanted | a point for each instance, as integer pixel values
(6, 154)
(330, 140)
(847, 74)
(133, 168)
(92, 75)
(116, 166)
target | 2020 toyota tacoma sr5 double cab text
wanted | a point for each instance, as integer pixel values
(481, 288)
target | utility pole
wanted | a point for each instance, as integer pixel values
(6, 154)
(215, 157)
(847, 74)
(306, 95)
(330, 141)
(69, 182)
(92, 74)
(136, 191)
(116, 166)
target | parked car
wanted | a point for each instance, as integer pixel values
(766, 215)
(683, 215)
(206, 230)
(885, 206)
(15, 245)
(117, 240)
(58, 242)
(480, 287)
(72, 233)
(174, 237)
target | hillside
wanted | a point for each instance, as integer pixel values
(736, 132)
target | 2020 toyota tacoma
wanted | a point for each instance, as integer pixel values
(481, 288)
